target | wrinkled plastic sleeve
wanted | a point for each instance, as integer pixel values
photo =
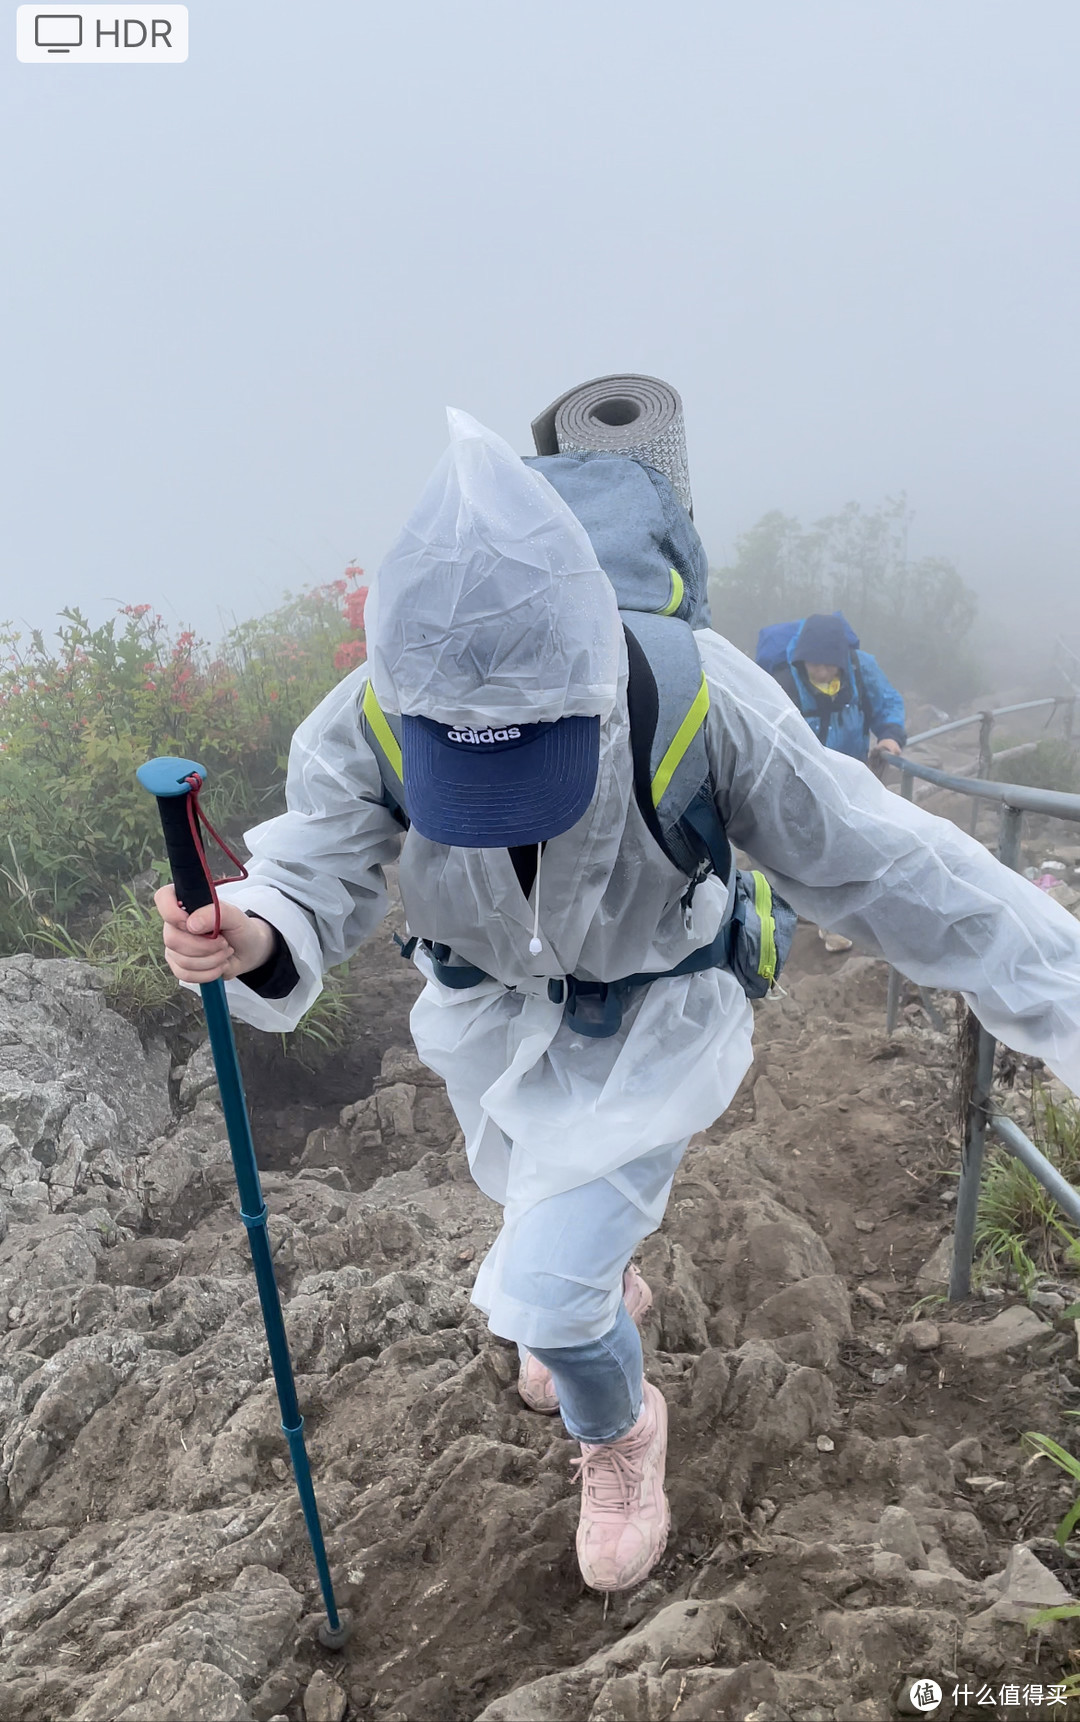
(858, 859)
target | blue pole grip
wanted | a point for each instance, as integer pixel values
(166, 779)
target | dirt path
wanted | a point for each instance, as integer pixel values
(839, 1498)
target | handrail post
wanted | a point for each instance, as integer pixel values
(892, 1006)
(975, 1122)
(986, 762)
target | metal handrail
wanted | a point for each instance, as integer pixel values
(978, 717)
(1015, 799)
(1052, 802)
(985, 721)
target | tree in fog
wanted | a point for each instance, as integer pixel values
(915, 616)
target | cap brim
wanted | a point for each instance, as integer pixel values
(499, 799)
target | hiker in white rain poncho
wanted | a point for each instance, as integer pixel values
(499, 667)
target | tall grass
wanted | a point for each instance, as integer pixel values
(127, 951)
(1020, 1229)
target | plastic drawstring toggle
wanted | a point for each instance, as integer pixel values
(536, 943)
(197, 820)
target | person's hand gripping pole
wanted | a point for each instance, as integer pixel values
(176, 784)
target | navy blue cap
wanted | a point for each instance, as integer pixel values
(498, 786)
(823, 640)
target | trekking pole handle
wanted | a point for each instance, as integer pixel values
(166, 779)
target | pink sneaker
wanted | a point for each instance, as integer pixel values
(534, 1380)
(624, 1511)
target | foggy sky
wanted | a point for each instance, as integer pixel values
(239, 293)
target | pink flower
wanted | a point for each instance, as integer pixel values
(355, 604)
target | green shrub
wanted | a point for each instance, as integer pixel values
(80, 713)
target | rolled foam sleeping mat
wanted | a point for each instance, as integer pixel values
(637, 416)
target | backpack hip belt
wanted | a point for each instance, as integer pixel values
(578, 997)
(751, 943)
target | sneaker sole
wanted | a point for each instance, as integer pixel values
(641, 1573)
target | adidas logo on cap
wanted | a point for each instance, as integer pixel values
(475, 736)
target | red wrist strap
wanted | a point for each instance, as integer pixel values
(198, 821)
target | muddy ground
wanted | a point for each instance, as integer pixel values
(852, 1506)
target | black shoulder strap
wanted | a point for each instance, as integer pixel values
(785, 676)
(643, 706)
(860, 689)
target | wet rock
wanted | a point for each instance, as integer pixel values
(936, 1270)
(1025, 1583)
(817, 1304)
(967, 1454)
(1012, 1330)
(898, 1534)
(324, 1701)
(965, 1539)
(919, 1336)
(65, 1049)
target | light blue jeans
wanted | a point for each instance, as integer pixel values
(564, 1270)
(599, 1383)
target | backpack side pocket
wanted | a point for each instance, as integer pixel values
(762, 928)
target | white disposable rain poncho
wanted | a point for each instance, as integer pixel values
(492, 606)
(542, 1109)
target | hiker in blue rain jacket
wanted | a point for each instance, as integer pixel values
(841, 691)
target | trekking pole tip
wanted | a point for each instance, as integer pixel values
(333, 1637)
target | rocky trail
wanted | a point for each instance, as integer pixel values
(851, 1504)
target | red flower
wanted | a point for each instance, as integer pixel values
(355, 604)
(349, 654)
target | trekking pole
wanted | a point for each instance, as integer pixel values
(175, 783)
